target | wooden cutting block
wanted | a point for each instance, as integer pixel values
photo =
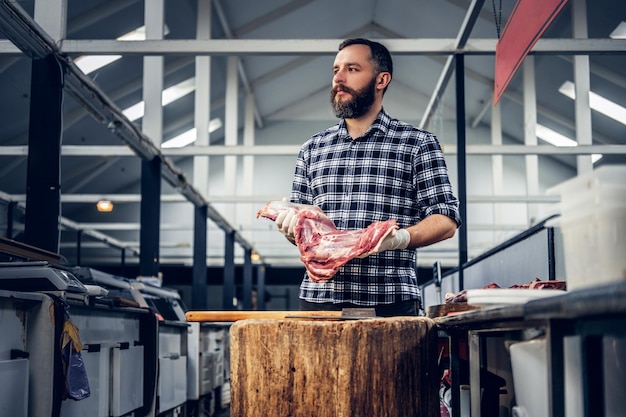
(383, 367)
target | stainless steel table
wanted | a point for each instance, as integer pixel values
(589, 313)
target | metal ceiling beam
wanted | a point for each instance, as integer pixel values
(131, 244)
(77, 114)
(29, 37)
(596, 69)
(542, 110)
(69, 224)
(241, 70)
(99, 236)
(298, 47)
(290, 150)
(125, 227)
(261, 199)
(134, 226)
(182, 260)
(21, 30)
(538, 150)
(448, 69)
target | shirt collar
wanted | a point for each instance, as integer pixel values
(381, 123)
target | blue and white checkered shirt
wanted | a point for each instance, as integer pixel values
(393, 171)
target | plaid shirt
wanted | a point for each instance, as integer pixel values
(393, 171)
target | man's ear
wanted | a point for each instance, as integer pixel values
(383, 80)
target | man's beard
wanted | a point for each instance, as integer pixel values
(358, 105)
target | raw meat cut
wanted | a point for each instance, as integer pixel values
(323, 248)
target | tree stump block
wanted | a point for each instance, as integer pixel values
(356, 368)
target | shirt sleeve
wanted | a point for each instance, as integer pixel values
(300, 189)
(432, 181)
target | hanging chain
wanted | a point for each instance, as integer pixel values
(497, 16)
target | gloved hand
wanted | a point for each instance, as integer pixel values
(286, 222)
(397, 239)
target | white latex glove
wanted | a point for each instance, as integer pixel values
(397, 239)
(286, 222)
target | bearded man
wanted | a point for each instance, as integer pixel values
(370, 168)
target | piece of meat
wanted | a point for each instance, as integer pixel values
(323, 248)
(551, 285)
(461, 296)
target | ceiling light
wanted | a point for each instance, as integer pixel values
(181, 140)
(91, 63)
(177, 91)
(190, 135)
(169, 95)
(597, 102)
(619, 32)
(554, 138)
(104, 206)
(135, 111)
(557, 139)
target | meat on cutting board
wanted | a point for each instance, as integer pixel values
(323, 248)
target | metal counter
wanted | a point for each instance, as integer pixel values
(591, 314)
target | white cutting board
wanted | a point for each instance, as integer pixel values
(500, 296)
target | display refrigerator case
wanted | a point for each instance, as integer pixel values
(119, 351)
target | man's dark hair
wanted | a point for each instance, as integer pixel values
(380, 54)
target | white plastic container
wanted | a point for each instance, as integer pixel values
(530, 378)
(593, 225)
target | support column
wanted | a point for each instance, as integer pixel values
(247, 280)
(497, 168)
(582, 86)
(79, 246)
(152, 126)
(530, 135)
(231, 133)
(248, 160)
(202, 100)
(229, 271)
(461, 161)
(199, 273)
(123, 263)
(150, 213)
(51, 15)
(10, 216)
(202, 115)
(152, 123)
(260, 287)
(43, 172)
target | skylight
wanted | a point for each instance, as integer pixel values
(557, 139)
(190, 135)
(597, 102)
(91, 63)
(619, 32)
(169, 95)
(553, 137)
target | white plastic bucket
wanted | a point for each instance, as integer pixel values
(593, 225)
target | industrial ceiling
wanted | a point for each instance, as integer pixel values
(257, 76)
